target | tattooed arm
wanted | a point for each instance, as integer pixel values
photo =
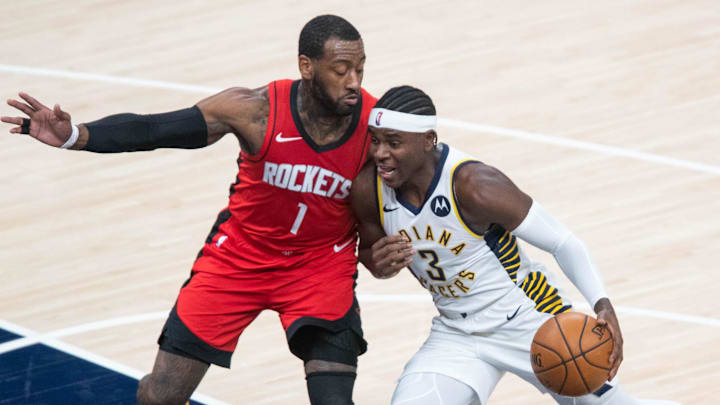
(241, 111)
(237, 110)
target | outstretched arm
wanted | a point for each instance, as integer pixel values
(487, 196)
(233, 110)
(540, 229)
(383, 255)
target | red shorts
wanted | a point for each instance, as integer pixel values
(220, 300)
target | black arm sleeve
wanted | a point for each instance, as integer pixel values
(184, 129)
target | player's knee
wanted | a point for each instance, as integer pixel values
(313, 344)
(432, 389)
(153, 389)
(330, 363)
(330, 387)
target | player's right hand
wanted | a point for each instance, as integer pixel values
(606, 318)
(51, 127)
(390, 254)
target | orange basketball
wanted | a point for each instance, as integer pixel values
(570, 354)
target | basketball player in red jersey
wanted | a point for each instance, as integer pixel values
(286, 241)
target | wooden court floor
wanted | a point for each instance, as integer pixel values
(606, 112)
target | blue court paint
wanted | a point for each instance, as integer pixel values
(42, 375)
(6, 336)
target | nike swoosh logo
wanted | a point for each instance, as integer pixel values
(514, 314)
(386, 209)
(337, 248)
(279, 138)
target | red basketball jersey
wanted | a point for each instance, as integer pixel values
(291, 199)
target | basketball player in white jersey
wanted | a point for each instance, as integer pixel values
(454, 222)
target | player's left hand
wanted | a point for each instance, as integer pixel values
(390, 254)
(607, 319)
(49, 126)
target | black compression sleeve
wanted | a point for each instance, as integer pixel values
(184, 129)
(330, 387)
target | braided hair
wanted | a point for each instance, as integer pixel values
(407, 99)
(321, 28)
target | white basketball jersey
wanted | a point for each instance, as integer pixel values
(472, 275)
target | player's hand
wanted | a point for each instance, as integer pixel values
(607, 319)
(51, 127)
(390, 254)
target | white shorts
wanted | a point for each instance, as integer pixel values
(481, 359)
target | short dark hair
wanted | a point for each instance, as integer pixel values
(321, 28)
(407, 99)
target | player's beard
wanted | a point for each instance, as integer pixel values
(320, 93)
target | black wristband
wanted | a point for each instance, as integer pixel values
(183, 129)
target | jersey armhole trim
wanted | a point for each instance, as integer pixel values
(456, 206)
(378, 199)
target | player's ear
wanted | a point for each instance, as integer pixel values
(305, 65)
(430, 140)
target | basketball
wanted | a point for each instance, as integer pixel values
(570, 354)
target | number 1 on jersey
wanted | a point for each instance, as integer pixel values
(299, 218)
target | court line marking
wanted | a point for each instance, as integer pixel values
(93, 77)
(622, 310)
(469, 126)
(32, 337)
(50, 338)
(582, 145)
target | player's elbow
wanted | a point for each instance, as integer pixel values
(569, 244)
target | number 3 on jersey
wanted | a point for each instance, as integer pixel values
(437, 273)
(298, 218)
